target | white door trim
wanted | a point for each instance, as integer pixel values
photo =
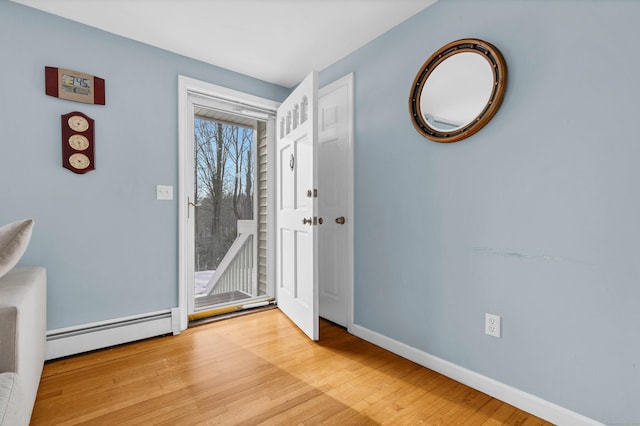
(188, 87)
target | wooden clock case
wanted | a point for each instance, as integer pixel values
(75, 155)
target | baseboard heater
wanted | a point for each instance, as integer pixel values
(88, 337)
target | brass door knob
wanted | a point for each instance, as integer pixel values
(340, 220)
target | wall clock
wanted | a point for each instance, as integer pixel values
(78, 142)
(74, 86)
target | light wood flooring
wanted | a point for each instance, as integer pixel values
(258, 369)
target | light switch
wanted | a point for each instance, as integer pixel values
(164, 192)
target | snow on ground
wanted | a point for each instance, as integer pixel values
(202, 279)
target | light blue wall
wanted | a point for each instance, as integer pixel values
(109, 247)
(535, 218)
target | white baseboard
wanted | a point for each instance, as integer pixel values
(88, 337)
(522, 400)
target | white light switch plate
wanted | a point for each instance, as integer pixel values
(164, 192)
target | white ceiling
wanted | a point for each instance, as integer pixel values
(279, 41)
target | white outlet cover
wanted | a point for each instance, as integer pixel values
(164, 192)
(492, 325)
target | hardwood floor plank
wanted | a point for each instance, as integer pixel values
(258, 369)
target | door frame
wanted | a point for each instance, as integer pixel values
(188, 88)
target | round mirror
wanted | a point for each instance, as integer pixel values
(458, 90)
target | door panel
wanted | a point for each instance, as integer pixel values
(286, 184)
(287, 263)
(296, 236)
(305, 294)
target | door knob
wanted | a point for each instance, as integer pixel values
(306, 221)
(340, 220)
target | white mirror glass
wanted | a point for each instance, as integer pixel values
(456, 91)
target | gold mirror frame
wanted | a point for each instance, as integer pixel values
(499, 68)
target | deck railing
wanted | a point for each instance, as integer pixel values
(236, 271)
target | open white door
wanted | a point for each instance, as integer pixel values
(297, 207)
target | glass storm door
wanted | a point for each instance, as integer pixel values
(225, 229)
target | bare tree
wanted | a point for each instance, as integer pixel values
(224, 187)
(211, 159)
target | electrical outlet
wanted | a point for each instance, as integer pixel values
(492, 325)
(164, 192)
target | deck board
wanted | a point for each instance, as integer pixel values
(219, 299)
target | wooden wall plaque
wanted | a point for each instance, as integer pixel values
(78, 142)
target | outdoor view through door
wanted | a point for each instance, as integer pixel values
(226, 226)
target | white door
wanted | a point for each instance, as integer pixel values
(335, 173)
(297, 207)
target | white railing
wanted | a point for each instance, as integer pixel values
(237, 270)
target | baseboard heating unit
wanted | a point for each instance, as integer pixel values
(88, 337)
